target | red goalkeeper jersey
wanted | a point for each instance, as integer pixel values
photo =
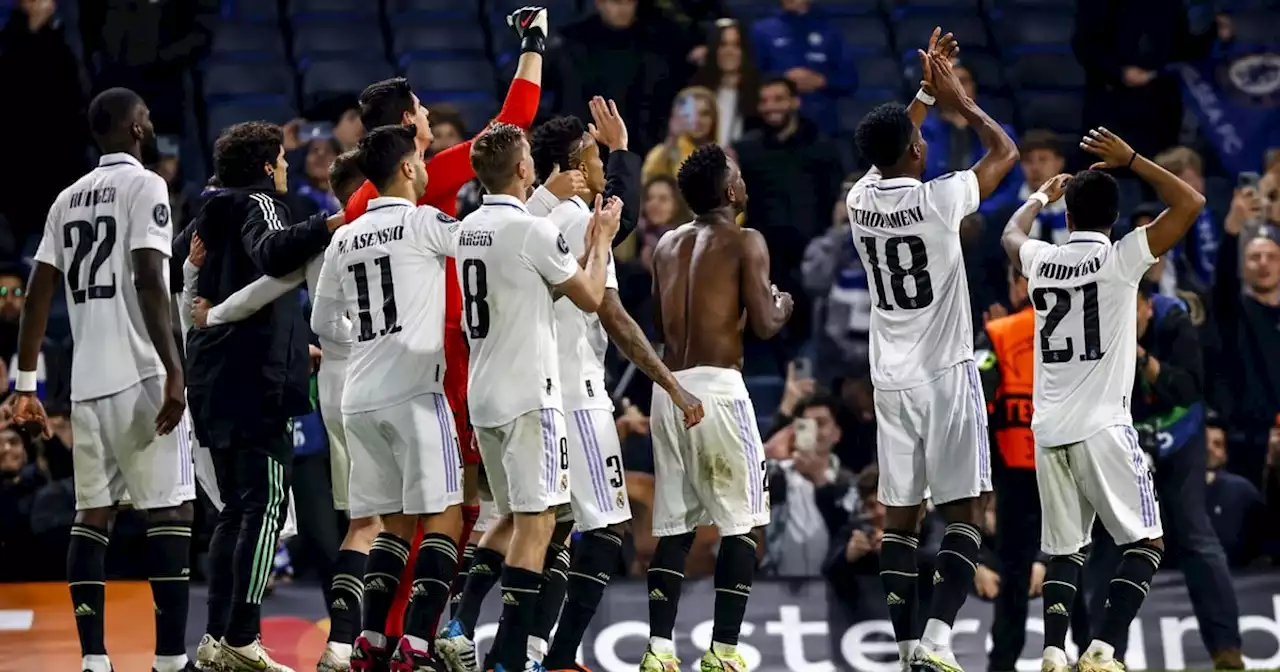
(447, 172)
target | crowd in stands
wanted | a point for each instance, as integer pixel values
(781, 83)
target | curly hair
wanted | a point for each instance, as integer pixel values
(702, 178)
(556, 142)
(883, 135)
(495, 155)
(243, 149)
(1093, 200)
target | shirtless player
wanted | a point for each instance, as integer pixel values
(706, 273)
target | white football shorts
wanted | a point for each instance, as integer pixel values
(119, 458)
(932, 440)
(599, 493)
(527, 462)
(1105, 475)
(332, 377)
(714, 472)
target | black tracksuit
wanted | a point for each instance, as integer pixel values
(244, 383)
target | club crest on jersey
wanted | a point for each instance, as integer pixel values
(564, 482)
(160, 215)
(445, 218)
(562, 245)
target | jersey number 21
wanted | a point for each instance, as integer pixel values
(1062, 302)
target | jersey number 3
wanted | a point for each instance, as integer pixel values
(916, 270)
(475, 291)
(1054, 316)
(365, 306)
(98, 237)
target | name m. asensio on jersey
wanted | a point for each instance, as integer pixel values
(363, 240)
(888, 220)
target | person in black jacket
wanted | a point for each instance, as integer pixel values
(1169, 414)
(247, 379)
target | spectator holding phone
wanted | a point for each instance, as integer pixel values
(695, 121)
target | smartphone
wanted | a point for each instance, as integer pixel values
(806, 434)
(803, 368)
(309, 131)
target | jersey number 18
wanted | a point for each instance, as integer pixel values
(365, 313)
(916, 270)
(1061, 307)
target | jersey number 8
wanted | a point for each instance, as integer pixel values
(917, 270)
(102, 233)
(475, 289)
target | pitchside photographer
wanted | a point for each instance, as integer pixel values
(1169, 415)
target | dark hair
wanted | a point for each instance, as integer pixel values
(345, 175)
(709, 74)
(702, 178)
(1148, 210)
(379, 153)
(243, 149)
(385, 103)
(882, 137)
(1147, 289)
(445, 113)
(1093, 200)
(555, 143)
(112, 110)
(682, 212)
(820, 399)
(495, 155)
(779, 81)
(1038, 138)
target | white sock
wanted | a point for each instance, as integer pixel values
(377, 639)
(340, 650)
(536, 648)
(662, 645)
(906, 646)
(1056, 656)
(1101, 650)
(96, 663)
(170, 663)
(721, 649)
(937, 635)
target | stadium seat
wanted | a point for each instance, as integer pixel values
(933, 7)
(222, 116)
(863, 34)
(419, 37)
(1062, 5)
(852, 110)
(1047, 71)
(260, 11)
(477, 109)
(1028, 31)
(330, 76)
(846, 7)
(985, 67)
(1055, 111)
(999, 108)
(428, 75)
(1257, 27)
(399, 8)
(913, 31)
(316, 38)
(244, 40)
(227, 80)
(879, 73)
(559, 11)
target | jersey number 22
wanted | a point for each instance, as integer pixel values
(98, 237)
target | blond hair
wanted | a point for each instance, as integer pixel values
(1179, 159)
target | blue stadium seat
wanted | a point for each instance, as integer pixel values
(999, 108)
(1026, 31)
(559, 11)
(222, 116)
(933, 7)
(1062, 5)
(1047, 71)
(261, 11)
(328, 76)
(985, 67)
(1055, 111)
(845, 7)
(1257, 27)
(316, 38)
(430, 75)
(852, 110)
(863, 34)
(244, 40)
(477, 109)
(419, 37)
(879, 73)
(749, 10)
(227, 80)
(331, 8)
(398, 8)
(913, 31)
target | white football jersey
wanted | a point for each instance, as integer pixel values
(908, 235)
(388, 269)
(580, 337)
(508, 262)
(331, 350)
(92, 229)
(1085, 293)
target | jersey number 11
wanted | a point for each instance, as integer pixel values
(365, 313)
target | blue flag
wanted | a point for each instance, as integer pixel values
(1236, 98)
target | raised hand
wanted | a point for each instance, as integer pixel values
(607, 128)
(565, 184)
(946, 85)
(529, 22)
(28, 413)
(1054, 186)
(941, 46)
(607, 216)
(1114, 152)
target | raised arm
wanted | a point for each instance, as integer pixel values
(767, 308)
(944, 46)
(1183, 203)
(1001, 153)
(585, 286)
(1018, 231)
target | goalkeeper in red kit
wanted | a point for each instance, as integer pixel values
(392, 102)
